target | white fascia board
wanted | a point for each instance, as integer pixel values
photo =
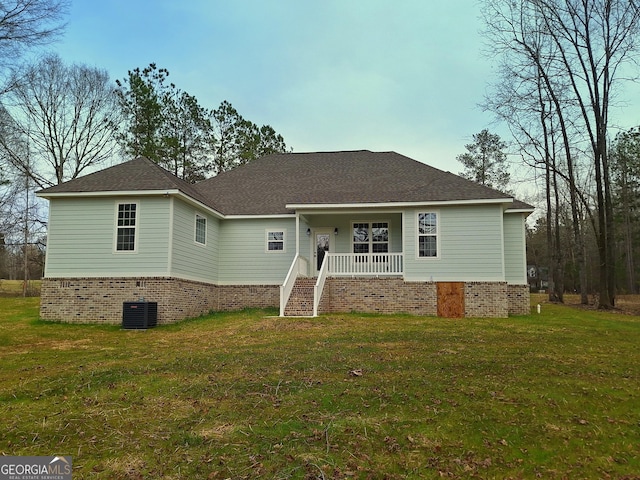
(197, 204)
(350, 211)
(110, 193)
(519, 210)
(134, 193)
(387, 205)
(254, 217)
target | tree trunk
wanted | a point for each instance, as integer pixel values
(558, 283)
(584, 297)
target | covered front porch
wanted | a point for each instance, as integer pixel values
(307, 290)
(353, 244)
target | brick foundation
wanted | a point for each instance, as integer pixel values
(378, 295)
(519, 299)
(99, 300)
(485, 299)
(238, 297)
(394, 295)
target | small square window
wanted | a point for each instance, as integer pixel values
(275, 241)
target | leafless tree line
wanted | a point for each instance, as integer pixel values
(561, 64)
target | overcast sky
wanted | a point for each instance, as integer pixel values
(328, 75)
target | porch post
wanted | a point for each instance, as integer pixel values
(297, 234)
(403, 229)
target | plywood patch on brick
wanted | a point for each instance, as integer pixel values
(450, 299)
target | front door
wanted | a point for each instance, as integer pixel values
(322, 246)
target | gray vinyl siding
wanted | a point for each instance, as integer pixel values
(243, 259)
(189, 259)
(81, 238)
(515, 249)
(470, 245)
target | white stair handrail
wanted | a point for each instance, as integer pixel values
(299, 266)
(319, 286)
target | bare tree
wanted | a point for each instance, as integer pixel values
(64, 115)
(596, 38)
(25, 24)
(11, 185)
(580, 46)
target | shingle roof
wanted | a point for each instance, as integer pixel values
(267, 185)
(138, 175)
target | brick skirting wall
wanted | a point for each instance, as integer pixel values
(378, 295)
(519, 299)
(394, 295)
(99, 300)
(485, 299)
(237, 297)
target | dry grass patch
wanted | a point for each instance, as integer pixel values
(17, 288)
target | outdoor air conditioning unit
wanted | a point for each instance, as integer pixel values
(139, 315)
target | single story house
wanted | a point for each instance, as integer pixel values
(309, 233)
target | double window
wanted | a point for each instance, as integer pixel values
(126, 227)
(427, 235)
(371, 237)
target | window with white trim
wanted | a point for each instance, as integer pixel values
(370, 237)
(126, 226)
(275, 240)
(201, 230)
(380, 237)
(427, 235)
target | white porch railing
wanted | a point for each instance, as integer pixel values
(299, 266)
(366, 263)
(339, 264)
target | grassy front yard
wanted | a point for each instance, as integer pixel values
(247, 395)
